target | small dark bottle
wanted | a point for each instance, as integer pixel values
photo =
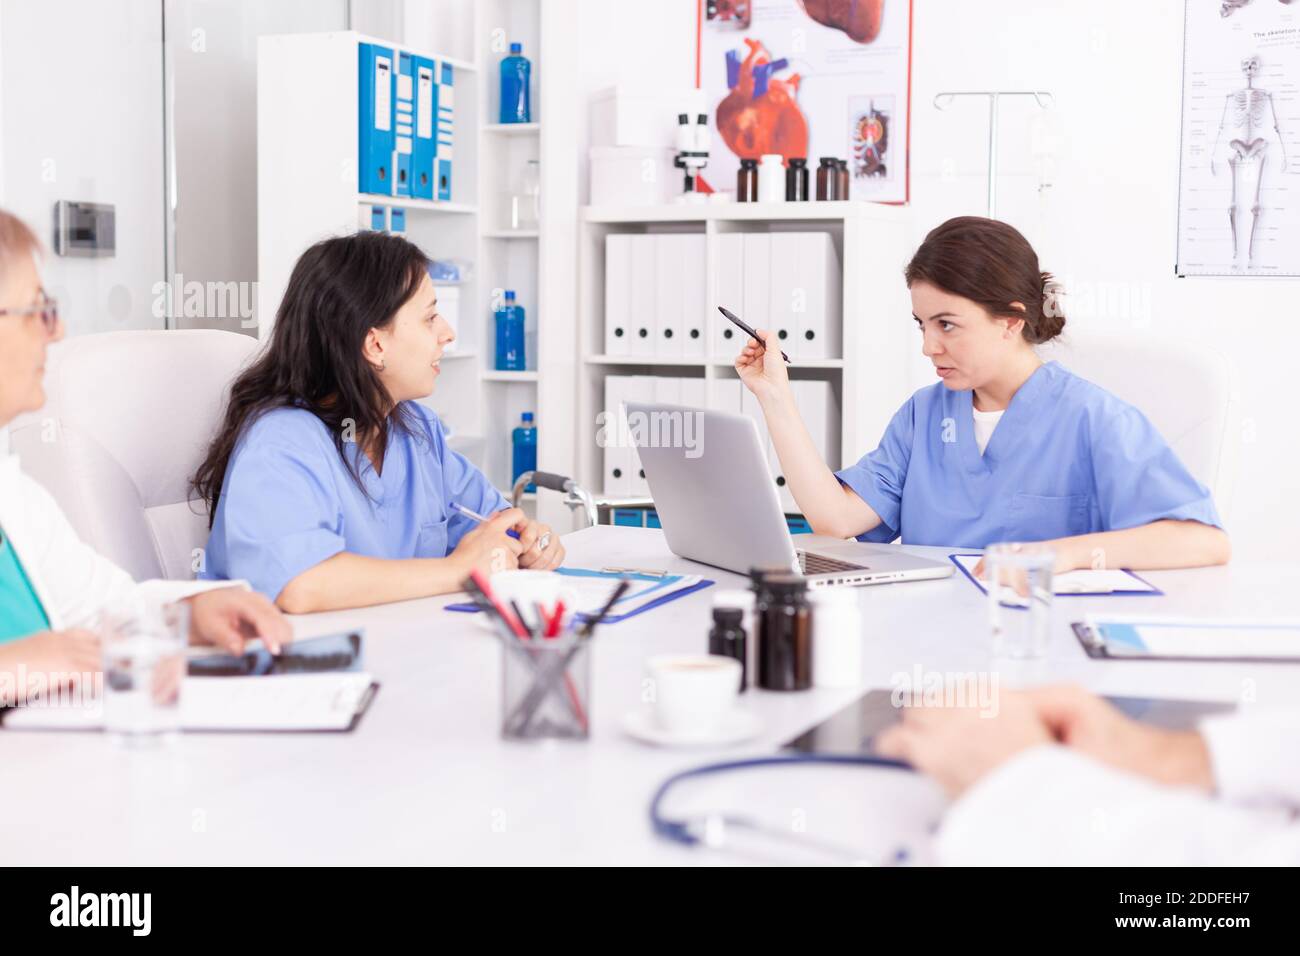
(747, 181)
(784, 622)
(843, 164)
(727, 638)
(796, 179)
(828, 180)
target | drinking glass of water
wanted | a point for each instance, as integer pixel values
(1018, 578)
(144, 662)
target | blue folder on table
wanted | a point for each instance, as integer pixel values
(648, 591)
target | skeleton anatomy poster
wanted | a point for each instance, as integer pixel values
(1239, 176)
(809, 78)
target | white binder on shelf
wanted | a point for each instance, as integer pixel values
(818, 323)
(757, 286)
(668, 391)
(821, 414)
(730, 278)
(693, 392)
(639, 388)
(669, 299)
(642, 328)
(750, 407)
(724, 395)
(786, 294)
(618, 293)
(695, 310)
(618, 453)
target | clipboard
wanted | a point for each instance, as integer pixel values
(659, 582)
(1118, 640)
(1146, 590)
(224, 707)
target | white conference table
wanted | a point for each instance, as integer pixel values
(426, 779)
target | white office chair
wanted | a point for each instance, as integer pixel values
(1188, 392)
(127, 419)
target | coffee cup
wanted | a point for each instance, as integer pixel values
(693, 692)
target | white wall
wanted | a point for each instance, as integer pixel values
(82, 121)
(1106, 225)
(213, 49)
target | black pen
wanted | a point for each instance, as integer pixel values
(748, 331)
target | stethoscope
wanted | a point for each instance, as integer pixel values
(725, 832)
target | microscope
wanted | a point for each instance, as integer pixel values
(692, 154)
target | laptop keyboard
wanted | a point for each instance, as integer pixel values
(819, 564)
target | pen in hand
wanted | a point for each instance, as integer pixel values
(475, 516)
(744, 327)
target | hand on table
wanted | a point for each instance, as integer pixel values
(487, 547)
(1093, 726)
(227, 617)
(958, 746)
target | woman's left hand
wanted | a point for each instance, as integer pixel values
(542, 550)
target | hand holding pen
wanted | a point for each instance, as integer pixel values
(763, 377)
(493, 545)
(539, 547)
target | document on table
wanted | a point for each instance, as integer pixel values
(593, 589)
(1100, 581)
(291, 702)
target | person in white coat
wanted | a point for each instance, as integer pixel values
(53, 585)
(1060, 776)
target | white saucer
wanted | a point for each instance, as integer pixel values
(738, 725)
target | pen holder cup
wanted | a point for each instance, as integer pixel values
(546, 689)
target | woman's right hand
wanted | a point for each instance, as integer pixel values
(65, 656)
(488, 548)
(761, 367)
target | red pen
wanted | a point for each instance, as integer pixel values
(553, 626)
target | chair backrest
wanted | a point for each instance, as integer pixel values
(1188, 392)
(127, 419)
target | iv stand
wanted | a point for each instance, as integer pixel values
(943, 100)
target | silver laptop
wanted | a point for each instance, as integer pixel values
(718, 505)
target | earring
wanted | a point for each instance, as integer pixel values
(382, 365)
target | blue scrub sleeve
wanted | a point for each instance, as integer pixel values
(465, 485)
(879, 476)
(1138, 477)
(281, 508)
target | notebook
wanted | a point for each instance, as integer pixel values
(1189, 639)
(1100, 581)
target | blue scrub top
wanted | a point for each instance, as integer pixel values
(289, 502)
(1066, 458)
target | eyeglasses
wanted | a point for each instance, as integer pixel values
(47, 309)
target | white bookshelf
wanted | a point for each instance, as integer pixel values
(872, 243)
(307, 108)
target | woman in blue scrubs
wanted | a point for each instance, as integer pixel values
(329, 486)
(1004, 447)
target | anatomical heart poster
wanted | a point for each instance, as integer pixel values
(809, 79)
(1239, 172)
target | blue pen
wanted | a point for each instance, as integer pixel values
(474, 515)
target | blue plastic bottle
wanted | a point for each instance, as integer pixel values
(510, 335)
(524, 453)
(516, 107)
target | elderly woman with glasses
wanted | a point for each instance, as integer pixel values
(52, 585)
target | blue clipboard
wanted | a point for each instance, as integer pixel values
(1153, 592)
(613, 618)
